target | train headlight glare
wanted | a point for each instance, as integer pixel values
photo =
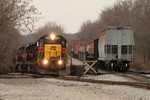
(60, 62)
(45, 62)
(52, 36)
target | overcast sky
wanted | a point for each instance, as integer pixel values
(70, 13)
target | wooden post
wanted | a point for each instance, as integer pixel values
(90, 66)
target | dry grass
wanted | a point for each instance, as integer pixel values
(3, 70)
(140, 66)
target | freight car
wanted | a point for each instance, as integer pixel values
(74, 48)
(48, 53)
(82, 51)
(113, 49)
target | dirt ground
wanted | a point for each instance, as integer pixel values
(25, 87)
(53, 89)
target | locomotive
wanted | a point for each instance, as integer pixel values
(47, 53)
(113, 49)
(52, 52)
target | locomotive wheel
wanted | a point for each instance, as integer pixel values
(19, 68)
(28, 68)
(108, 66)
(22, 69)
(32, 69)
(116, 67)
(25, 69)
(36, 68)
(124, 68)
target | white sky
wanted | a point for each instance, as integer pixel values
(70, 13)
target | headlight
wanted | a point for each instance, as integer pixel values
(60, 62)
(45, 62)
(52, 36)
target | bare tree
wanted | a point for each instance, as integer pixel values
(15, 16)
(10, 39)
(88, 31)
(50, 27)
(19, 13)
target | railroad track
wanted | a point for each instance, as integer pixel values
(133, 76)
(139, 84)
(143, 85)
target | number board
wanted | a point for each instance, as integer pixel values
(53, 48)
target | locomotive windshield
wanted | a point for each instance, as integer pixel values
(62, 42)
(57, 40)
